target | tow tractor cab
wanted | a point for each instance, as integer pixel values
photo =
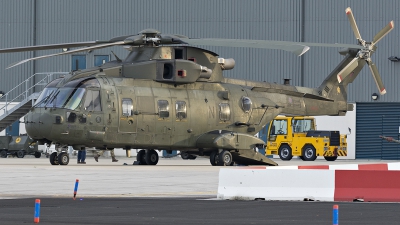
(290, 136)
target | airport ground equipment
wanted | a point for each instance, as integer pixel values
(290, 136)
(19, 146)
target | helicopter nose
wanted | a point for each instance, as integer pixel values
(31, 120)
(34, 125)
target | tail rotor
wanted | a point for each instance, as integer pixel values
(365, 53)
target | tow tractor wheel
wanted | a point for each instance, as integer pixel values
(38, 154)
(214, 158)
(309, 153)
(3, 154)
(151, 157)
(285, 152)
(225, 158)
(330, 158)
(53, 158)
(63, 158)
(20, 154)
(140, 157)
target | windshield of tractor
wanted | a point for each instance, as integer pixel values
(279, 127)
(302, 125)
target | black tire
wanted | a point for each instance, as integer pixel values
(309, 153)
(38, 154)
(214, 158)
(330, 158)
(3, 154)
(185, 155)
(53, 158)
(140, 157)
(21, 154)
(192, 157)
(151, 157)
(225, 158)
(301, 157)
(285, 152)
(63, 158)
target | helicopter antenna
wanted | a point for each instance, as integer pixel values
(118, 59)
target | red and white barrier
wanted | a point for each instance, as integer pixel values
(375, 166)
(367, 182)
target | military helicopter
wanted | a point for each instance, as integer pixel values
(170, 95)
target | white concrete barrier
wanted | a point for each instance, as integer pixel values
(274, 184)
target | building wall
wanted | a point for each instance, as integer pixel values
(39, 22)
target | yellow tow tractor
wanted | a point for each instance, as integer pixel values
(290, 136)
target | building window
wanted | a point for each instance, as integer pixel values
(180, 108)
(92, 101)
(224, 112)
(78, 62)
(163, 108)
(101, 59)
(127, 107)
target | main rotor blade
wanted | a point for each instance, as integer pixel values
(377, 77)
(383, 32)
(353, 23)
(347, 69)
(69, 52)
(46, 47)
(297, 48)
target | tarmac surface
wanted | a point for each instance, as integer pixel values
(175, 191)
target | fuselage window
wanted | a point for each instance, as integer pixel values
(163, 108)
(92, 101)
(180, 108)
(224, 112)
(246, 104)
(127, 107)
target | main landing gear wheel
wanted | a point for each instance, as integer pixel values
(63, 158)
(53, 158)
(140, 157)
(285, 152)
(151, 157)
(309, 153)
(20, 154)
(3, 154)
(38, 154)
(225, 158)
(214, 158)
(185, 155)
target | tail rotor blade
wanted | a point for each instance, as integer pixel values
(383, 32)
(377, 78)
(347, 69)
(353, 24)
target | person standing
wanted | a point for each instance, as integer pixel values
(82, 156)
(101, 152)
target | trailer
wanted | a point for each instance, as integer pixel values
(18, 146)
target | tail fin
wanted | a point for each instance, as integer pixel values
(331, 88)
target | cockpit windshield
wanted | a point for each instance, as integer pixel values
(68, 97)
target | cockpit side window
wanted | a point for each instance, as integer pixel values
(92, 101)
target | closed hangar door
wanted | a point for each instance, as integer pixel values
(373, 120)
